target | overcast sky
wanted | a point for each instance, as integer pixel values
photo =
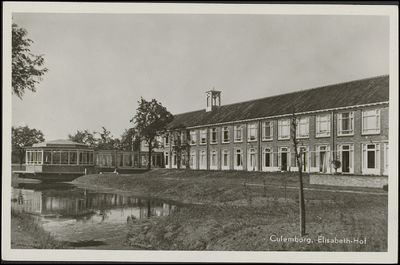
(101, 64)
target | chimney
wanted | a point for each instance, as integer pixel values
(213, 99)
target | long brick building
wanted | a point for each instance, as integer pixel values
(346, 122)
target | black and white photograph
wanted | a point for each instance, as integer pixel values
(197, 132)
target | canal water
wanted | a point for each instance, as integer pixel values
(86, 218)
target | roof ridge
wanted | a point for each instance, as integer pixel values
(292, 92)
(307, 89)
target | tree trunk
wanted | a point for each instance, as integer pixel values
(301, 203)
(21, 156)
(150, 149)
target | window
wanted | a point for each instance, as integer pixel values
(252, 160)
(302, 127)
(203, 160)
(267, 157)
(284, 129)
(238, 133)
(267, 130)
(183, 137)
(73, 158)
(183, 160)
(252, 132)
(174, 160)
(225, 134)
(193, 137)
(158, 140)
(166, 159)
(193, 159)
(303, 157)
(47, 157)
(64, 157)
(214, 159)
(203, 136)
(386, 159)
(56, 157)
(35, 157)
(238, 158)
(283, 158)
(370, 122)
(371, 158)
(345, 123)
(85, 157)
(323, 124)
(174, 138)
(346, 158)
(166, 140)
(214, 135)
(225, 159)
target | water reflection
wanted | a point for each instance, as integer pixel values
(63, 202)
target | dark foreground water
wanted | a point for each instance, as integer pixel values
(86, 218)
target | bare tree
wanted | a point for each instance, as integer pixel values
(298, 155)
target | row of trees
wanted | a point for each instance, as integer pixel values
(105, 141)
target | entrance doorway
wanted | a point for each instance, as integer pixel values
(346, 159)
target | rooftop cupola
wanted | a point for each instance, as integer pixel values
(213, 98)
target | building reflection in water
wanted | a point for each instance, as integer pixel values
(86, 206)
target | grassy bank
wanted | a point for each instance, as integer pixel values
(251, 211)
(27, 234)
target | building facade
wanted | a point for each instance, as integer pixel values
(346, 122)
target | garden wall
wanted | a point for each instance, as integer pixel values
(349, 180)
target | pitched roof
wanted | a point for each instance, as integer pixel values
(60, 144)
(353, 93)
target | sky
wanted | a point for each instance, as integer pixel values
(101, 64)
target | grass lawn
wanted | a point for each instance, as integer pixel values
(229, 212)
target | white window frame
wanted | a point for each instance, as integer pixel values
(386, 158)
(281, 150)
(350, 149)
(203, 135)
(264, 126)
(183, 160)
(252, 132)
(376, 128)
(214, 159)
(225, 131)
(223, 160)
(340, 119)
(281, 124)
(174, 160)
(320, 119)
(192, 163)
(302, 124)
(264, 152)
(327, 166)
(183, 137)
(203, 160)
(214, 135)
(193, 137)
(166, 140)
(238, 151)
(304, 156)
(365, 153)
(238, 128)
(166, 156)
(252, 159)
